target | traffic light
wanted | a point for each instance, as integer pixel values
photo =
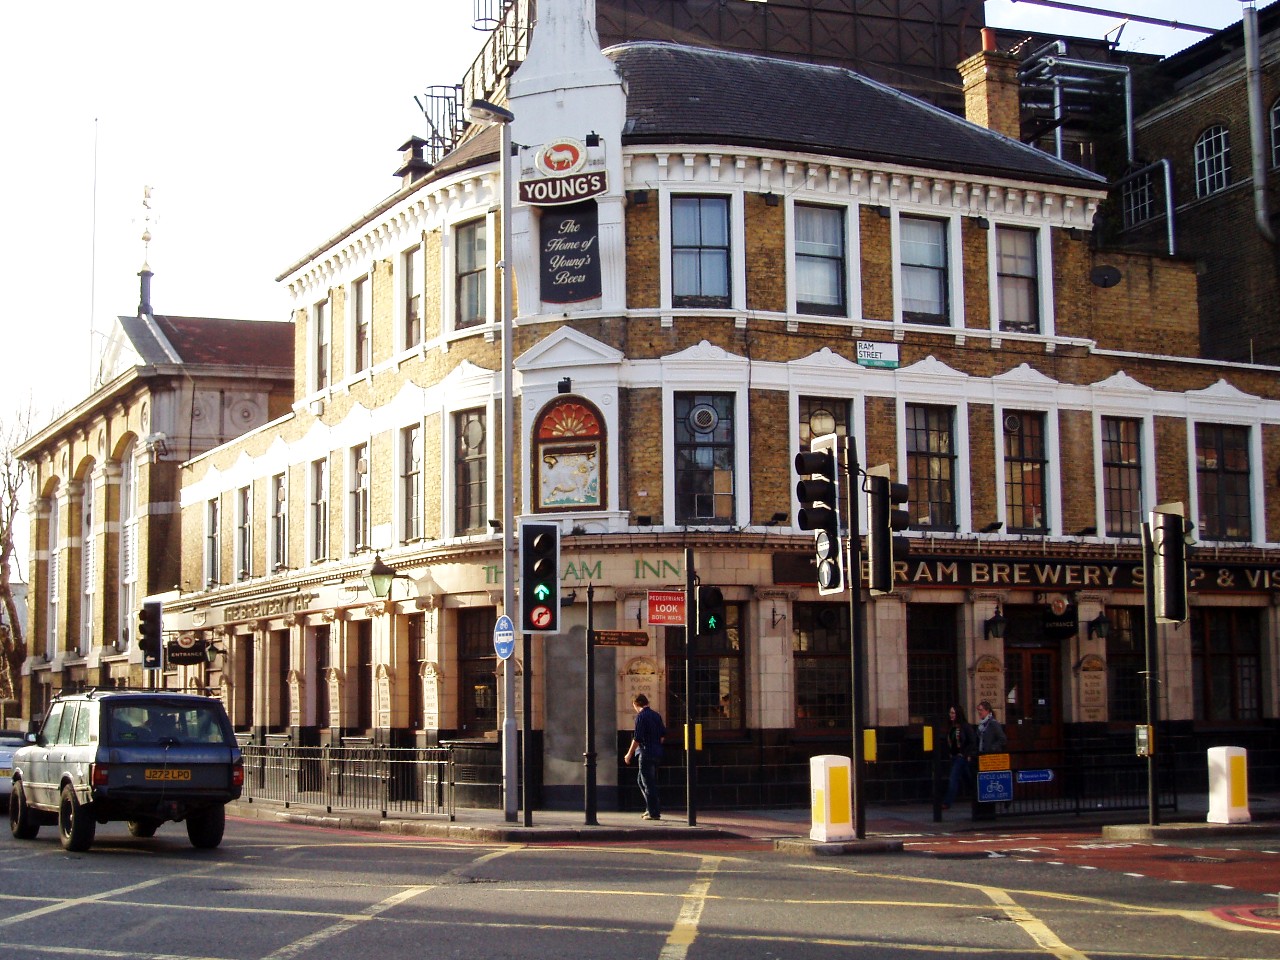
(883, 520)
(540, 578)
(1170, 532)
(150, 630)
(710, 611)
(819, 497)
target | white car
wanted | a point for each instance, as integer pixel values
(10, 740)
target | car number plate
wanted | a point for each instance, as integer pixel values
(170, 774)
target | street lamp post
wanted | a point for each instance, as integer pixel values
(481, 111)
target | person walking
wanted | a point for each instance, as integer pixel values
(991, 736)
(646, 747)
(962, 744)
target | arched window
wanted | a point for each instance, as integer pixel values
(128, 590)
(569, 452)
(1213, 161)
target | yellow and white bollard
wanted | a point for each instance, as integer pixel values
(831, 798)
(1228, 785)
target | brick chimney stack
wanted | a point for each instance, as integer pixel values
(413, 165)
(991, 94)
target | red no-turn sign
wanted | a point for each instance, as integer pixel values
(666, 608)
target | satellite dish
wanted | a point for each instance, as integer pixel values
(1104, 277)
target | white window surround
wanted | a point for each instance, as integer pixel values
(399, 501)
(128, 545)
(312, 547)
(1044, 277)
(356, 543)
(955, 263)
(213, 542)
(364, 283)
(836, 389)
(415, 247)
(737, 247)
(1257, 484)
(277, 546)
(963, 478)
(88, 564)
(319, 313)
(244, 533)
(1053, 465)
(487, 402)
(448, 273)
(691, 370)
(1147, 453)
(852, 254)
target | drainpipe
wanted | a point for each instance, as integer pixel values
(1257, 131)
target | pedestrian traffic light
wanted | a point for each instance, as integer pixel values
(883, 520)
(1170, 533)
(150, 635)
(710, 611)
(819, 497)
(540, 577)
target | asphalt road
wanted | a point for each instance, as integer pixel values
(277, 891)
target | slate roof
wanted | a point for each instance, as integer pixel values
(682, 94)
(211, 341)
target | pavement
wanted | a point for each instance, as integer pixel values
(786, 828)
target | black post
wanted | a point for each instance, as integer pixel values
(690, 631)
(1152, 667)
(856, 627)
(526, 722)
(589, 754)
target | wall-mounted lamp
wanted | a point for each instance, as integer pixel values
(570, 599)
(1086, 532)
(771, 199)
(495, 526)
(996, 625)
(778, 518)
(380, 577)
(644, 520)
(593, 139)
(777, 617)
(1100, 626)
(212, 651)
(564, 386)
(638, 197)
(982, 223)
(992, 527)
(883, 211)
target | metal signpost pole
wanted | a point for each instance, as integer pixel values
(854, 583)
(690, 730)
(1152, 685)
(589, 751)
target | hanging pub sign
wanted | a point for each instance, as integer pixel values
(570, 258)
(561, 172)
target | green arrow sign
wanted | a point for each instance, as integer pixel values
(542, 591)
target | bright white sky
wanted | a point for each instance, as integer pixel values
(263, 127)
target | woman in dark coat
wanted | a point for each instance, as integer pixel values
(961, 745)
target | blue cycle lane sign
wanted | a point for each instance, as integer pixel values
(504, 637)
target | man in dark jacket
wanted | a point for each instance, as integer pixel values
(646, 741)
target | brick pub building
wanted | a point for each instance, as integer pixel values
(757, 251)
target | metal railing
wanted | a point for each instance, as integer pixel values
(399, 780)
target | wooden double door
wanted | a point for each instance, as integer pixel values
(1032, 711)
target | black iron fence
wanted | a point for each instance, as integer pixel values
(399, 780)
(1071, 781)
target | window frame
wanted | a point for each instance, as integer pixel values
(359, 522)
(278, 522)
(477, 273)
(1274, 114)
(833, 662)
(476, 659)
(679, 447)
(127, 595)
(244, 533)
(1135, 470)
(840, 260)
(1212, 160)
(476, 480)
(88, 564)
(914, 457)
(1216, 527)
(409, 290)
(360, 325)
(728, 656)
(213, 542)
(1006, 281)
(1242, 629)
(411, 482)
(733, 216)
(1046, 466)
(320, 368)
(949, 277)
(318, 532)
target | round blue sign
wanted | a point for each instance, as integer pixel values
(504, 637)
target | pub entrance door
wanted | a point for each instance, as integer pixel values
(1032, 711)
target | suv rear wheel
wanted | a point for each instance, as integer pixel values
(75, 822)
(205, 827)
(22, 822)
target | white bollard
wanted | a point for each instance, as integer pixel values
(831, 798)
(1228, 785)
